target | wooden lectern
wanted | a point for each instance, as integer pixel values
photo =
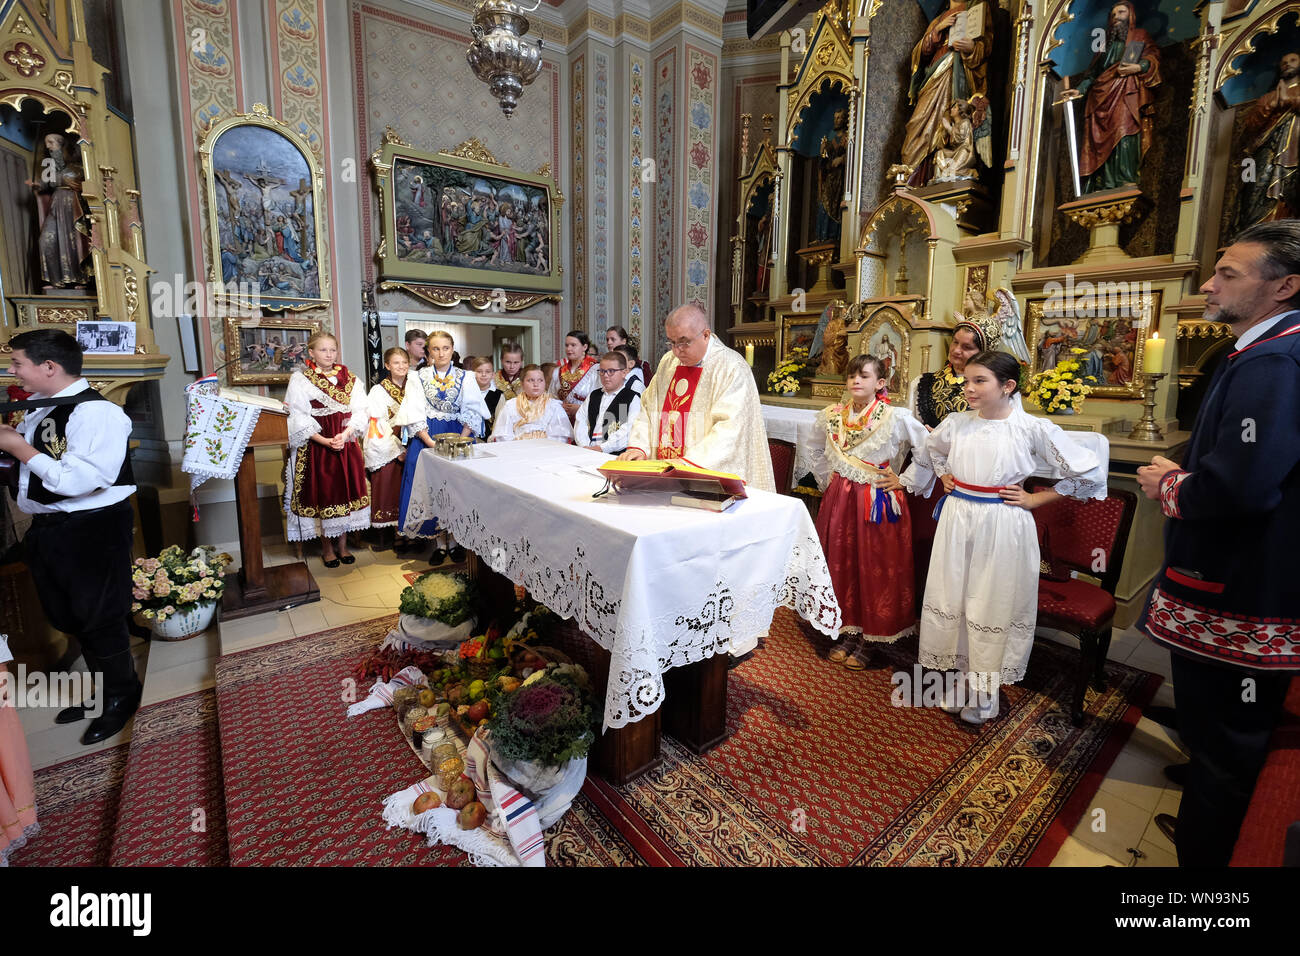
(255, 588)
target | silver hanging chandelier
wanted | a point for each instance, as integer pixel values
(500, 55)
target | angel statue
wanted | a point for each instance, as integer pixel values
(1007, 318)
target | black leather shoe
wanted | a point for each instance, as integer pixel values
(117, 711)
(1177, 773)
(1167, 823)
(457, 554)
(70, 715)
(439, 555)
(348, 558)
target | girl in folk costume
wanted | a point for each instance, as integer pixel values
(439, 399)
(325, 480)
(576, 376)
(932, 397)
(981, 597)
(863, 523)
(384, 451)
(534, 414)
(507, 380)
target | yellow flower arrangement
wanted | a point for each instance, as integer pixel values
(784, 380)
(1061, 387)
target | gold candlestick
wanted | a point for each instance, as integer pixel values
(1146, 429)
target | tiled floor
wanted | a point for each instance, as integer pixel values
(1120, 819)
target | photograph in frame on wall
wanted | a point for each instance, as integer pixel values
(263, 189)
(266, 351)
(885, 335)
(106, 338)
(1109, 326)
(450, 219)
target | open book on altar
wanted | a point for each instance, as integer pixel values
(698, 487)
(264, 402)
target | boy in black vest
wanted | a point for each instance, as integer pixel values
(75, 481)
(605, 417)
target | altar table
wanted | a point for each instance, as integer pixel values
(655, 585)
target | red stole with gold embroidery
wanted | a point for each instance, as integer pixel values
(672, 417)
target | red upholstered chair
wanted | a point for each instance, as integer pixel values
(782, 453)
(1083, 536)
(1270, 834)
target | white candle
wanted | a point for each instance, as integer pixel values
(1153, 360)
(749, 353)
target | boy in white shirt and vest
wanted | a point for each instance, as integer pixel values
(75, 481)
(605, 416)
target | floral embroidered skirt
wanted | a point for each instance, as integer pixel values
(414, 451)
(326, 492)
(386, 494)
(870, 562)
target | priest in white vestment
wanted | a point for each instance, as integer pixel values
(702, 405)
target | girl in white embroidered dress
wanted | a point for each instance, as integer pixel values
(533, 414)
(385, 453)
(863, 522)
(981, 597)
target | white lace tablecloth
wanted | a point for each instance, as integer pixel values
(656, 585)
(798, 426)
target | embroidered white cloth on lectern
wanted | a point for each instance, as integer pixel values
(216, 433)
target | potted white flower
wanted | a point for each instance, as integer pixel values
(178, 593)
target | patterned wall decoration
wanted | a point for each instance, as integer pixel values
(297, 55)
(600, 192)
(295, 62)
(210, 88)
(412, 76)
(578, 83)
(665, 94)
(701, 85)
(636, 208)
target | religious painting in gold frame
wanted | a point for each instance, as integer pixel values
(463, 218)
(797, 331)
(265, 192)
(1110, 321)
(266, 350)
(887, 335)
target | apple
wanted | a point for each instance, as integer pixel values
(479, 711)
(461, 793)
(472, 816)
(426, 801)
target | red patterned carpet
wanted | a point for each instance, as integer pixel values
(305, 784)
(172, 811)
(820, 768)
(76, 806)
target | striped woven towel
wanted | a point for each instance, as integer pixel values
(381, 693)
(506, 806)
